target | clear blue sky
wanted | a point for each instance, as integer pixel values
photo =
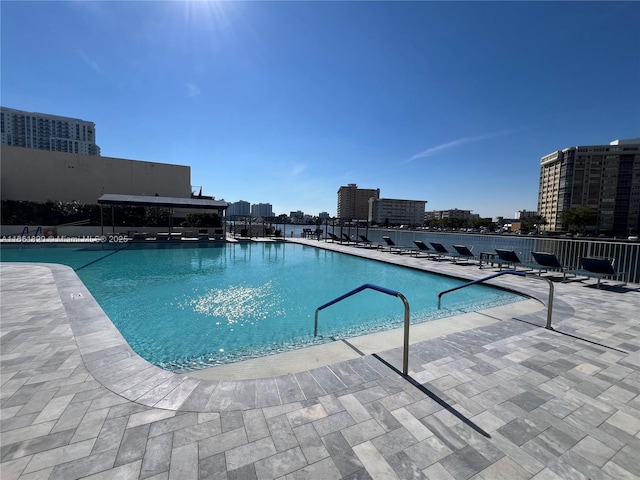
(284, 102)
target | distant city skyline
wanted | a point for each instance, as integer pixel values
(285, 102)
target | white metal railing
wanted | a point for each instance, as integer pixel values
(626, 254)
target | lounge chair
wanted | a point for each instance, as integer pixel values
(464, 252)
(507, 258)
(423, 248)
(393, 248)
(547, 261)
(334, 238)
(347, 239)
(442, 252)
(597, 268)
(366, 243)
(219, 234)
(203, 234)
(140, 237)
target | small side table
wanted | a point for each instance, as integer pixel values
(487, 257)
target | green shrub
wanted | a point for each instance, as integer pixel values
(18, 212)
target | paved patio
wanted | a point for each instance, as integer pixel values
(500, 397)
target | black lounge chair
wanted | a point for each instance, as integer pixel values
(366, 243)
(464, 252)
(547, 261)
(334, 238)
(441, 251)
(423, 248)
(507, 257)
(393, 248)
(347, 239)
(597, 268)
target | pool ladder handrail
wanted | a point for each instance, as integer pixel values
(509, 272)
(393, 293)
(25, 233)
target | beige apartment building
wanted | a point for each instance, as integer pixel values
(451, 213)
(393, 211)
(353, 202)
(603, 177)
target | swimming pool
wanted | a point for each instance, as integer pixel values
(189, 308)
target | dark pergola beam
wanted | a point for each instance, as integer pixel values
(164, 202)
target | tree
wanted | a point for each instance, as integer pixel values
(453, 222)
(579, 218)
(538, 221)
(482, 223)
(532, 223)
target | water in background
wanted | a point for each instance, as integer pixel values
(626, 254)
(522, 245)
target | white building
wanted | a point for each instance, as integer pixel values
(524, 214)
(262, 210)
(239, 208)
(452, 213)
(42, 131)
(392, 211)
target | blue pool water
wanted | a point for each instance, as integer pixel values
(189, 308)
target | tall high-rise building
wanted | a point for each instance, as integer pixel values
(47, 132)
(605, 178)
(263, 210)
(239, 208)
(353, 202)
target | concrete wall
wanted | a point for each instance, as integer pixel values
(40, 175)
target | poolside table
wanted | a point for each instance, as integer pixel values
(487, 257)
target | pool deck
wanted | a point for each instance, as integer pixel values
(490, 395)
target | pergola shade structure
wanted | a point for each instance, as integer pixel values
(112, 199)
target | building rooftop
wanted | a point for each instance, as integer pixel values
(630, 141)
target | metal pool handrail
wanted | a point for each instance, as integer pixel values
(393, 293)
(509, 272)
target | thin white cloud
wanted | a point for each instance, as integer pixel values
(192, 90)
(445, 146)
(298, 169)
(89, 61)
